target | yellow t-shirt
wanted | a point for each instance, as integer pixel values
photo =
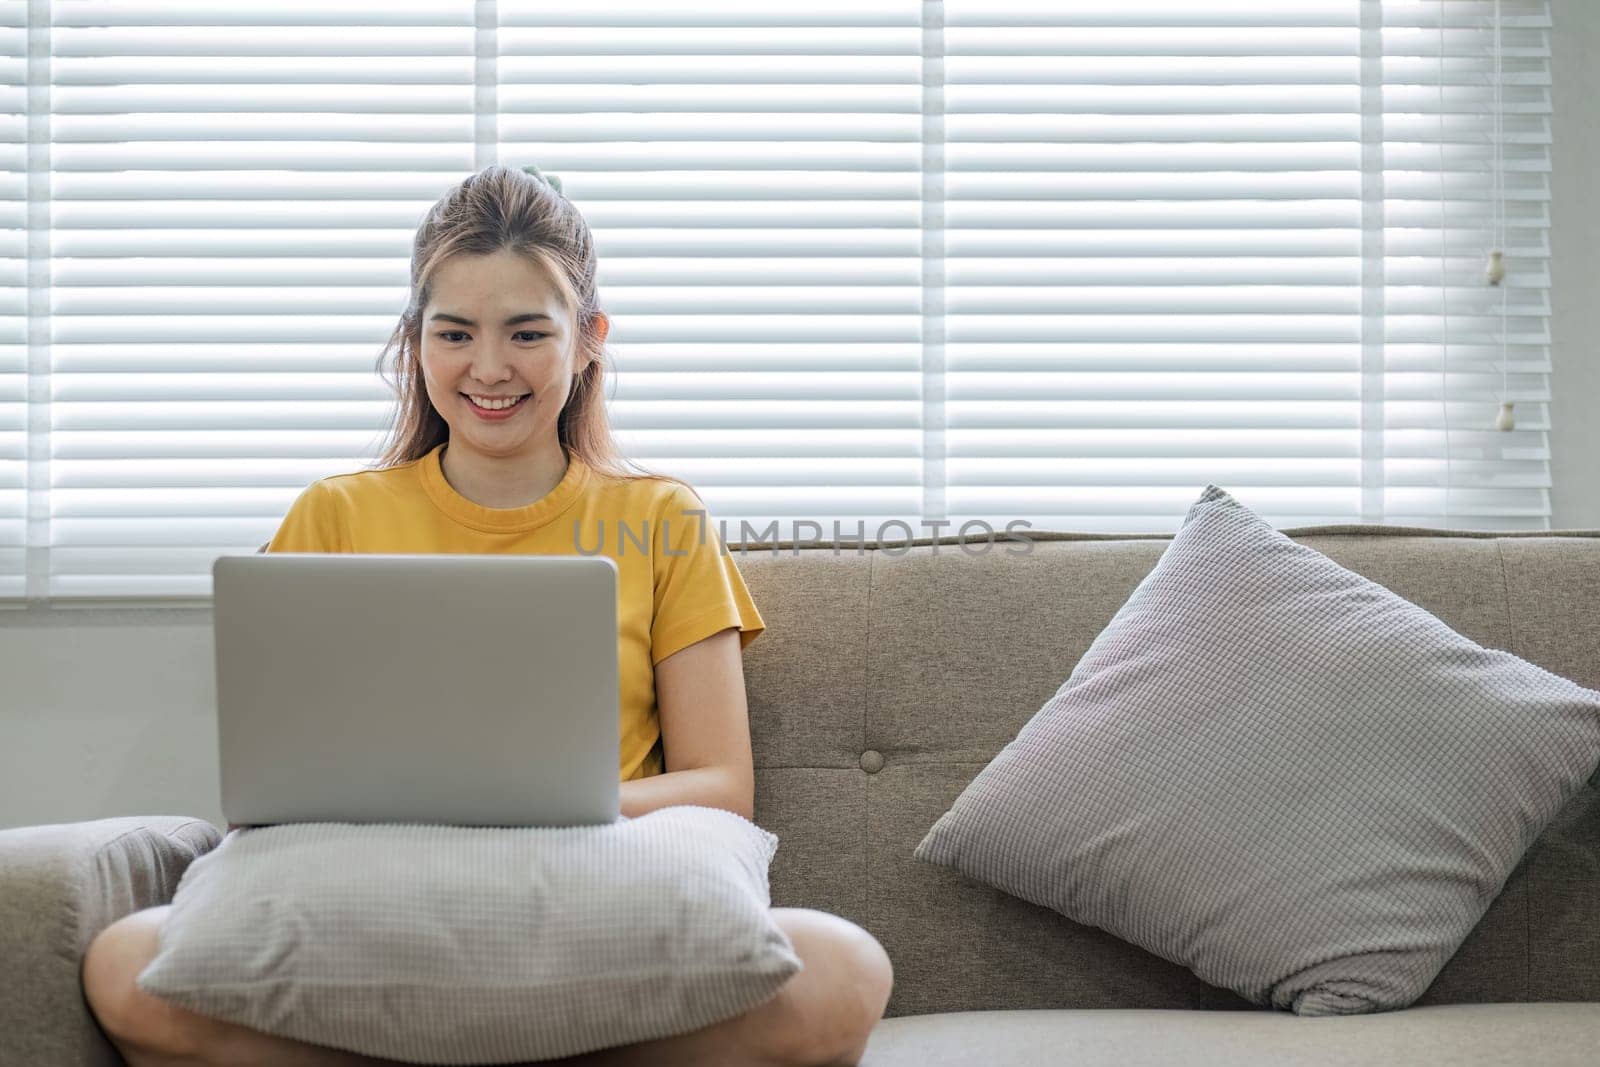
(675, 584)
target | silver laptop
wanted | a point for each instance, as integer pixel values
(471, 690)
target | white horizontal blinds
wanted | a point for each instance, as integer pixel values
(235, 190)
(752, 177)
(1456, 345)
(1178, 243)
(14, 249)
(1154, 264)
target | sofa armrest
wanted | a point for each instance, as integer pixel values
(60, 885)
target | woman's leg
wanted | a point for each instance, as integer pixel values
(151, 1032)
(819, 1018)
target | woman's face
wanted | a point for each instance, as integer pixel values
(495, 329)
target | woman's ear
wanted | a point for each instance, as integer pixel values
(588, 353)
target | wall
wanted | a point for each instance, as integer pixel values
(1575, 267)
(111, 712)
(106, 713)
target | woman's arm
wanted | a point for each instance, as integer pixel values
(705, 732)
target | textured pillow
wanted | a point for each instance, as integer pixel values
(1277, 773)
(454, 944)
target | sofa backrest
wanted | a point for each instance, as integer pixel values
(887, 679)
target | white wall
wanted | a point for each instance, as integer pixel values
(1575, 267)
(111, 712)
(106, 713)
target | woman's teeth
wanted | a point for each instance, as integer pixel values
(495, 405)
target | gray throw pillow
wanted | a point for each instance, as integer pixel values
(1277, 773)
(457, 945)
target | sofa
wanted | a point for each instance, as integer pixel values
(888, 678)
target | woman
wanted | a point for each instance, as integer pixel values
(502, 445)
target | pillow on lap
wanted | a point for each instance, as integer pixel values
(453, 944)
(1277, 773)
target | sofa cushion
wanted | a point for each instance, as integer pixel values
(453, 944)
(1462, 1035)
(60, 885)
(1277, 773)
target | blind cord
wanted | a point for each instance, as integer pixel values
(1506, 419)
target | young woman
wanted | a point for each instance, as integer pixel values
(502, 445)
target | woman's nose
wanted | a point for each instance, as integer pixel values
(490, 369)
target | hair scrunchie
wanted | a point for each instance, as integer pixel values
(549, 179)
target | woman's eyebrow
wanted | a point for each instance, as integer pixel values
(527, 316)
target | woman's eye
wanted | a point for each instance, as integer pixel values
(451, 334)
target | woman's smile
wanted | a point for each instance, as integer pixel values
(500, 409)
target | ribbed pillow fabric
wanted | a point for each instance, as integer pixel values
(1277, 773)
(477, 945)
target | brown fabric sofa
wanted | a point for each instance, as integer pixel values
(887, 679)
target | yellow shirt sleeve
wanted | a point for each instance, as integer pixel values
(698, 589)
(312, 523)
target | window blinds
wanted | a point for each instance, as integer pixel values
(1231, 242)
(867, 261)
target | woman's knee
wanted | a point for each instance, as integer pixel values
(847, 980)
(113, 961)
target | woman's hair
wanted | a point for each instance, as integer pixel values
(507, 208)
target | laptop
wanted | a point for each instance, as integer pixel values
(468, 690)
